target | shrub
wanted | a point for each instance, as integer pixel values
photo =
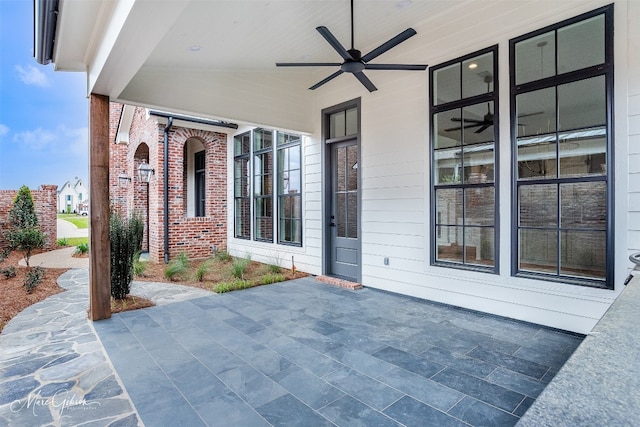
(223, 256)
(23, 233)
(202, 270)
(126, 238)
(239, 266)
(274, 268)
(177, 267)
(8, 272)
(268, 279)
(82, 248)
(139, 267)
(33, 279)
(232, 286)
(62, 242)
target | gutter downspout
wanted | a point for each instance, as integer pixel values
(166, 189)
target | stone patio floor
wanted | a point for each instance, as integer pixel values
(298, 353)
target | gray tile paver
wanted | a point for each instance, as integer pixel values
(288, 353)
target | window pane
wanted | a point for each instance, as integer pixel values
(352, 215)
(289, 213)
(341, 165)
(538, 205)
(242, 215)
(352, 168)
(536, 112)
(241, 144)
(582, 254)
(352, 121)
(287, 138)
(535, 58)
(583, 205)
(581, 45)
(449, 206)
(477, 75)
(262, 139)
(449, 242)
(478, 123)
(582, 104)
(447, 129)
(241, 174)
(264, 218)
(479, 245)
(447, 164)
(479, 206)
(478, 164)
(337, 125)
(536, 160)
(583, 156)
(446, 84)
(539, 251)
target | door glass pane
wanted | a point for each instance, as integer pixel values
(478, 164)
(583, 205)
(536, 112)
(478, 123)
(479, 206)
(337, 125)
(352, 168)
(449, 206)
(352, 121)
(582, 254)
(446, 84)
(581, 45)
(479, 245)
(582, 104)
(341, 215)
(449, 242)
(538, 205)
(477, 75)
(352, 215)
(538, 251)
(447, 165)
(535, 58)
(447, 129)
(341, 166)
(536, 160)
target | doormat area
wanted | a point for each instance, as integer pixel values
(340, 282)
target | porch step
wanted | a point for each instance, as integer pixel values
(340, 282)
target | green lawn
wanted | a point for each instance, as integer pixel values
(75, 241)
(78, 221)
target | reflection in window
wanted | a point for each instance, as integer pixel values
(289, 189)
(463, 118)
(241, 177)
(562, 139)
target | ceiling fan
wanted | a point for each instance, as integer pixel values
(487, 120)
(354, 62)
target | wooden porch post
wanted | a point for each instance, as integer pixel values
(99, 263)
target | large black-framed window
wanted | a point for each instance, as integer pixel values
(241, 183)
(561, 124)
(263, 184)
(199, 187)
(464, 131)
(289, 181)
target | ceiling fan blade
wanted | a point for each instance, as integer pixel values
(324, 31)
(483, 128)
(530, 114)
(456, 119)
(409, 32)
(331, 77)
(462, 127)
(308, 64)
(365, 81)
(395, 67)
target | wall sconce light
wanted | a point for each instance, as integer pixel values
(145, 171)
(123, 180)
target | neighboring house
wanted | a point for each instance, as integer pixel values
(72, 197)
(504, 179)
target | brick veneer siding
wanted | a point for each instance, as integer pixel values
(194, 236)
(45, 201)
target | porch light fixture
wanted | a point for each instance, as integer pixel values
(145, 171)
(123, 180)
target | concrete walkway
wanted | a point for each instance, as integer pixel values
(68, 229)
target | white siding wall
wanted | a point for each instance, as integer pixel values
(395, 173)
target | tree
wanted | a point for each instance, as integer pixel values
(24, 234)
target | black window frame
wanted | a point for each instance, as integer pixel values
(605, 69)
(435, 228)
(242, 156)
(282, 197)
(199, 177)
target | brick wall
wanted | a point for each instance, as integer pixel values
(194, 236)
(45, 202)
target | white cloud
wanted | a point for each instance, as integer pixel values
(3, 130)
(32, 75)
(61, 141)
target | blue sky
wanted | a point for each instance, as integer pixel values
(43, 114)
